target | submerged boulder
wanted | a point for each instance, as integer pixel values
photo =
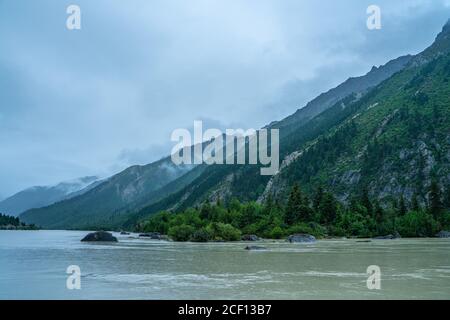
(255, 248)
(151, 235)
(100, 236)
(443, 234)
(301, 238)
(250, 237)
(396, 235)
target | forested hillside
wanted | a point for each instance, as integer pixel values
(392, 141)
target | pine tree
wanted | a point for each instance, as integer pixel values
(305, 211)
(205, 211)
(378, 212)
(434, 198)
(447, 198)
(415, 206)
(318, 198)
(328, 208)
(269, 202)
(292, 213)
(269, 205)
(365, 201)
(402, 206)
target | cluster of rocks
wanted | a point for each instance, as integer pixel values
(103, 236)
(301, 238)
(99, 236)
(250, 237)
(443, 234)
(255, 248)
(152, 235)
(396, 235)
(294, 238)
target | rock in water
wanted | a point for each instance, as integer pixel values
(255, 248)
(301, 238)
(151, 235)
(396, 235)
(443, 234)
(99, 236)
(250, 237)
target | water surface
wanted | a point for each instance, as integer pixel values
(33, 266)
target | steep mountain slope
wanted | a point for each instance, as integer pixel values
(309, 143)
(40, 196)
(395, 143)
(357, 85)
(394, 139)
(106, 203)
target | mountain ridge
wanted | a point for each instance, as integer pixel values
(304, 135)
(357, 85)
(40, 196)
(302, 144)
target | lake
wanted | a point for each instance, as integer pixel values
(33, 265)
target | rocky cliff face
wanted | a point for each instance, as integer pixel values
(356, 85)
(387, 131)
(392, 139)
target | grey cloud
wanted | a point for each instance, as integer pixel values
(91, 102)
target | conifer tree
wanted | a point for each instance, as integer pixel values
(269, 205)
(293, 206)
(415, 206)
(447, 198)
(402, 206)
(318, 198)
(434, 198)
(378, 212)
(365, 201)
(328, 208)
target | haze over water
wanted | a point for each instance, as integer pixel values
(33, 266)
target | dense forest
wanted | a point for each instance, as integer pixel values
(321, 215)
(11, 223)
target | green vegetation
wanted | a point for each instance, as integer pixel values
(323, 216)
(382, 151)
(14, 223)
(392, 140)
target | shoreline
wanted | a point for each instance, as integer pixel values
(135, 235)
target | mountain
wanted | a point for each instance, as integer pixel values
(374, 131)
(393, 139)
(358, 85)
(106, 203)
(40, 196)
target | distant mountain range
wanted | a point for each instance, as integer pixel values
(110, 201)
(40, 196)
(387, 131)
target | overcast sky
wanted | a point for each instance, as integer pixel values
(96, 100)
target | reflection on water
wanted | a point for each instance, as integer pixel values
(33, 266)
